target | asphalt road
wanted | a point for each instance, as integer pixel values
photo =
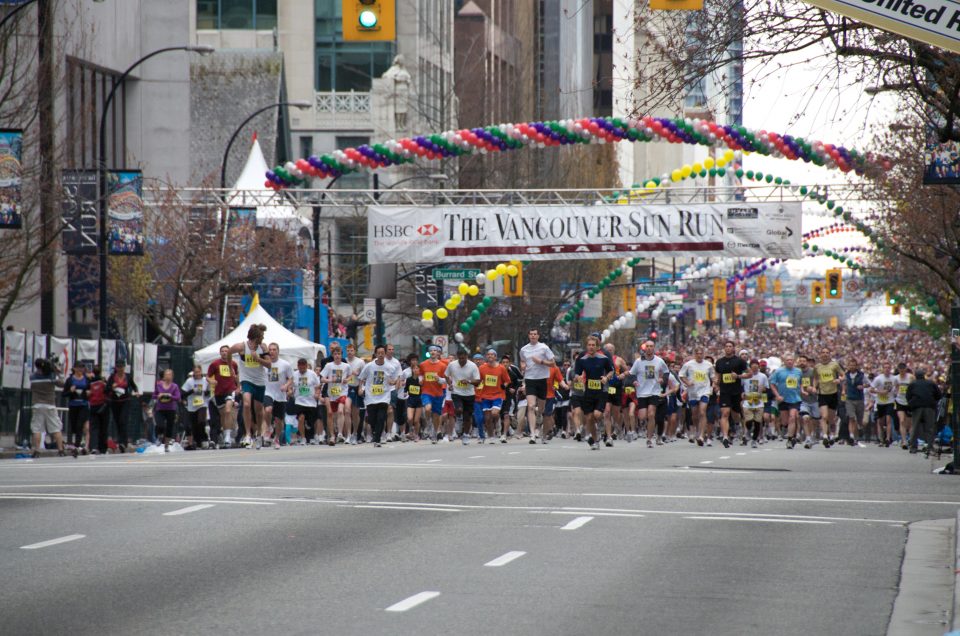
(479, 539)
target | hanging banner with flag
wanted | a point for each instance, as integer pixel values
(125, 212)
(13, 343)
(11, 179)
(62, 348)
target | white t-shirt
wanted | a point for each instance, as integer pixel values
(305, 387)
(250, 369)
(376, 379)
(356, 366)
(336, 375)
(404, 376)
(700, 376)
(459, 377)
(396, 369)
(534, 371)
(278, 374)
(199, 393)
(900, 384)
(648, 373)
(883, 387)
(754, 390)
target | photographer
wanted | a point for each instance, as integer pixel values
(43, 417)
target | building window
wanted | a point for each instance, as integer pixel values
(345, 66)
(260, 15)
(353, 271)
(306, 146)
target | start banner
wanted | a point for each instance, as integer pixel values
(478, 233)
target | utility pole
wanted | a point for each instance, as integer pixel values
(46, 132)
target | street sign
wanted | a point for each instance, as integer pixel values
(369, 309)
(455, 274)
(441, 341)
(674, 307)
(646, 290)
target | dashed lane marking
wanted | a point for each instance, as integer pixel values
(504, 559)
(579, 522)
(57, 541)
(412, 601)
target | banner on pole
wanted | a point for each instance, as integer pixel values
(125, 212)
(480, 233)
(11, 179)
(13, 344)
(78, 212)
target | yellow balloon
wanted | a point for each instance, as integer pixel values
(442, 313)
(650, 185)
(697, 167)
(515, 262)
(685, 171)
(512, 270)
(721, 162)
(708, 163)
(729, 155)
(462, 288)
(676, 175)
(491, 274)
(473, 290)
(426, 315)
(450, 304)
(456, 298)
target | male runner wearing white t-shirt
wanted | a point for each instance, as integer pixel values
(536, 359)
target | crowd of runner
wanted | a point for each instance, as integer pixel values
(800, 387)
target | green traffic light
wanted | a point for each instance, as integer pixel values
(367, 19)
(833, 292)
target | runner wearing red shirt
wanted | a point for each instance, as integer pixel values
(222, 376)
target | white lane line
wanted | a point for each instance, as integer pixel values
(513, 453)
(754, 451)
(46, 544)
(503, 560)
(757, 519)
(740, 454)
(434, 461)
(542, 450)
(187, 510)
(478, 457)
(255, 501)
(579, 522)
(596, 514)
(724, 457)
(421, 508)
(413, 601)
(711, 515)
(707, 461)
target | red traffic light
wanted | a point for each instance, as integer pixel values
(653, 335)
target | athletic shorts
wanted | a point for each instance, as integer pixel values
(279, 410)
(414, 401)
(464, 402)
(769, 407)
(537, 388)
(433, 402)
(352, 394)
(488, 405)
(704, 399)
(335, 403)
(902, 408)
(44, 420)
(629, 397)
(576, 401)
(784, 407)
(731, 401)
(884, 409)
(448, 409)
(810, 410)
(221, 400)
(752, 415)
(643, 401)
(549, 406)
(830, 400)
(309, 413)
(855, 409)
(615, 398)
(256, 391)
(673, 404)
(593, 402)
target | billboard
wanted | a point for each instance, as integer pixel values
(125, 212)
(445, 234)
(11, 179)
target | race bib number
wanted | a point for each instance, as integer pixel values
(250, 361)
(430, 376)
(902, 389)
(578, 385)
(165, 398)
(884, 396)
(462, 384)
(826, 376)
(225, 371)
(414, 389)
(806, 382)
(753, 398)
(376, 389)
(729, 378)
(791, 383)
(612, 390)
(628, 389)
(593, 385)
(197, 400)
(699, 376)
(303, 390)
(335, 391)
(490, 380)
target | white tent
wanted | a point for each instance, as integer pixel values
(273, 210)
(292, 346)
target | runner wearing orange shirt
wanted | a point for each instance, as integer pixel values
(554, 381)
(433, 387)
(494, 378)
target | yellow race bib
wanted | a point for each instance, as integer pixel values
(414, 389)
(462, 384)
(490, 380)
(612, 390)
(593, 385)
(806, 382)
(729, 378)
(902, 389)
(628, 389)
(700, 376)
(430, 376)
(197, 400)
(225, 370)
(335, 391)
(827, 376)
(791, 383)
(376, 389)
(578, 385)
(250, 361)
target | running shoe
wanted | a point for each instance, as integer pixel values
(710, 441)
(276, 443)
(649, 444)
(659, 441)
(595, 446)
(808, 443)
(578, 437)
(791, 443)
(699, 441)
(376, 444)
(826, 442)
(609, 443)
(726, 442)
(695, 441)
(743, 441)
(753, 444)
(503, 439)
(464, 440)
(446, 439)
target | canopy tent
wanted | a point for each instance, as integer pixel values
(292, 346)
(272, 209)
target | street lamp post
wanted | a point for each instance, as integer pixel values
(225, 214)
(317, 210)
(102, 177)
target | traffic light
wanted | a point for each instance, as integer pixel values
(761, 284)
(834, 284)
(778, 287)
(369, 20)
(817, 293)
(513, 285)
(893, 303)
(629, 301)
(720, 290)
(711, 310)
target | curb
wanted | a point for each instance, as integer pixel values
(955, 625)
(926, 594)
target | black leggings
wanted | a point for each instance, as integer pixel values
(100, 420)
(377, 417)
(119, 410)
(198, 419)
(166, 423)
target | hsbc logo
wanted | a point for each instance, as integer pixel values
(428, 229)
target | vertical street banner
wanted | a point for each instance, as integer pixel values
(87, 351)
(62, 348)
(11, 179)
(145, 366)
(125, 212)
(13, 344)
(78, 212)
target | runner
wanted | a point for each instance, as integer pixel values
(434, 382)
(167, 395)
(536, 359)
(77, 388)
(555, 383)
(354, 401)
(883, 387)
(901, 382)
(649, 370)
(375, 382)
(730, 369)
(306, 390)
(222, 376)
(577, 388)
(393, 416)
(755, 385)
(593, 369)
(195, 393)
(853, 396)
(826, 381)
(413, 390)
(698, 377)
(785, 383)
(463, 377)
(253, 381)
(120, 390)
(335, 375)
(810, 404)
(279, 382)
(612, 412)
(491, 395)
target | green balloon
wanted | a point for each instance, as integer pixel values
(464, 327)
(475, 315)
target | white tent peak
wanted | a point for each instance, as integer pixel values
(292, 346)
(249, 192)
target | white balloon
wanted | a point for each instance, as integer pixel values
(628, 315)
(605, 334)
(458, 337)
(426, 323)
(481, 278)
